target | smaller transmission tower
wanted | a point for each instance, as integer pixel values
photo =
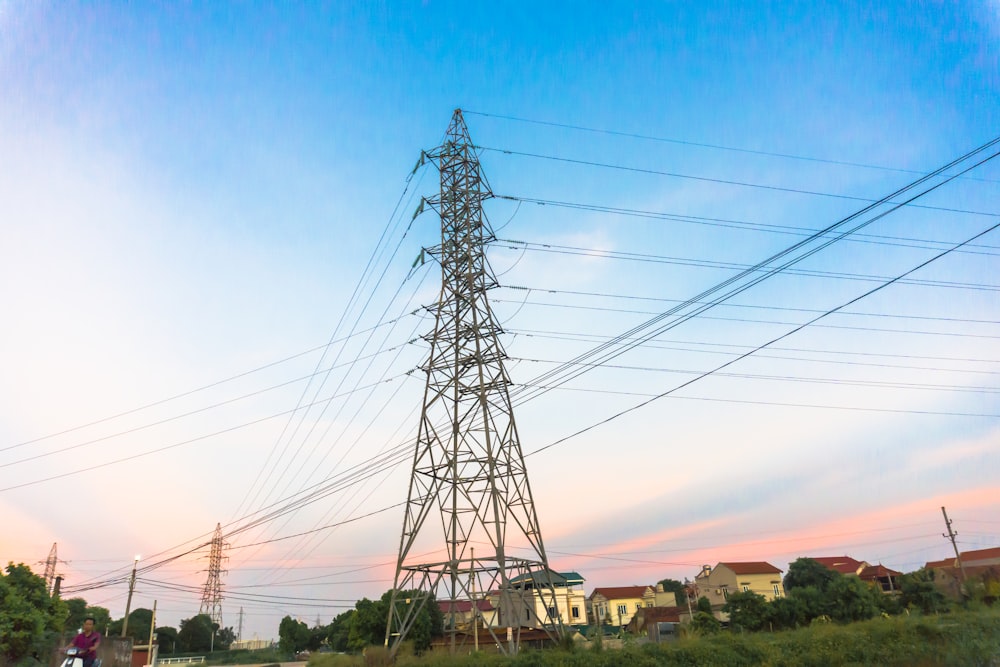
(211, 597)
(50, 568)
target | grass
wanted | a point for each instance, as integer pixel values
(963, 638)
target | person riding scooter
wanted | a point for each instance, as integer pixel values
(87, 643)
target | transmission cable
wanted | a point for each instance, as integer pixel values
(770, 342)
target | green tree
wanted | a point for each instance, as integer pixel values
(919, 592)
(852, 600)
(102, 618)
(31, 622)
(747, 611)
(195, 634)
(338, 631)
(705, 623)
(76, 612)
(367, 624)
(428, 624)
(293, 636)
(167, 640)
(814, 602)
(785, 613)
(224, 638)
(808, 572)
(704, 605)
(139, 621)
(675, 587)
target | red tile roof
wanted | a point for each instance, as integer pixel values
(980, 555)
(660, 614)
(879, 570)
(842, 564)
(757, 567)
(620, 592)
(976, 556)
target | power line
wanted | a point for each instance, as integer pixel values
(770, 342)
(723, 181)
(729, 223)
(750, 320)
(683, 142)
(636, 297)
(713, 264)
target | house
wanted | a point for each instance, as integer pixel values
(969, 559)
(979, 565)
(533, 604)
(616, 605)
(484, 613)
(886, 579)
(650, 616)
(841, 564)
(718, 583)
(657, 597)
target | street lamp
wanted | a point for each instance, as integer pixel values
(131, 587)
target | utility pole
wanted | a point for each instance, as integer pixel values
(239, 631)
(152, 633)
(468, 476)
(131, 588)
(951, 535)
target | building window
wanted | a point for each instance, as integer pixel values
(777, 592)
(725, 593)
(552, 612)
(576, 612)
(746, 589)
(649, 604)
(622, 609)
(527, 610)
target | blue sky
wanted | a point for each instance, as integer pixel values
(188, 193)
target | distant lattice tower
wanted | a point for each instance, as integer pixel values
(469, 478)
(211, 597)
(50, 568)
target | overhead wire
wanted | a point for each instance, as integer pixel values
(762, 346)
(683, 142)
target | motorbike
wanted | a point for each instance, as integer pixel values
(74, 658)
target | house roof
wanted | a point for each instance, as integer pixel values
(463, 606)
(981, 554)
(756, 567)
(620, 592)
(558, 578)
(842, 564)
(660, 614)
(974, 556)
(879, 570)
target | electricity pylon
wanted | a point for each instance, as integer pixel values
(468, 476)
(50, 568)
(211, 596)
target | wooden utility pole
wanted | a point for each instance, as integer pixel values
(951, 535)
(131, 589)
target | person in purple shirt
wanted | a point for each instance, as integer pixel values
(88, 642)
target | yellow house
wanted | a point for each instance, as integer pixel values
(657, 597)
(718, 583)
(616, 605)
(533, 602)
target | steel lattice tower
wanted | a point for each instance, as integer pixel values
(50, 568)
(211, 597)
(469, 477)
